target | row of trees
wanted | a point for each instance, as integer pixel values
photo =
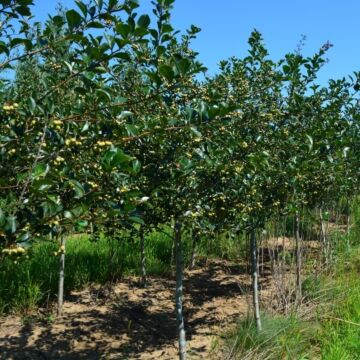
(105, 123)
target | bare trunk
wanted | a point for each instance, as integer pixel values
(255, 278)
(298, 257)
(195, 238)
(348, 218)
(323, 238)
(143, 257)
(61, 276)
(179, 291)
(173, 251)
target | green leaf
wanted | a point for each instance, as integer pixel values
(103, 95)
(123, 29)
(68, 215)
(112, 4)
(73, 18)
(99, 3)
(123, 55)
(32, 105)
(131, 130)
(78, 188)
(183, 65)
(311, 142)
(81, 6)
(113, 158)
(195, 131)
(43, 184)
(136, 166)
(167, 72)
(2, 218)
(95, 25)
(11, 224)
(18, 41)
(144, 21)
(82, 224)
(286, 69)
(4, 48)
(39, 170)
(137, 220)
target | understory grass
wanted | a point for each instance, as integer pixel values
(327, 327)
(33, 281)
(330, 330)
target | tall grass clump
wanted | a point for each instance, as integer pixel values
(326, 327)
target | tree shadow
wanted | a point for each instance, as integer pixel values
(131, 327)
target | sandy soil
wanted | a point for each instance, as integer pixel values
(127, 322)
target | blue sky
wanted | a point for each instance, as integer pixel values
(226, 25)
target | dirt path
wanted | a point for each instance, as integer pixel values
(133, 323)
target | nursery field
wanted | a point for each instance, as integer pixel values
(149, 209)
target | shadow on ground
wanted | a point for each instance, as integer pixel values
(133, 323)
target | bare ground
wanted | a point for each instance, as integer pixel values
(127, 322)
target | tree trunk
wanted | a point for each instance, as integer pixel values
(179, 290)
(61, 276)
(255, 276)
(195, 238)
(323, 239)
(143, 258)
(298, 257)
(173, 252)
(348, 218)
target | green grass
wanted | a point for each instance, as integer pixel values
(341, 323)
(32, 282)
(332, 333)
(281, 338)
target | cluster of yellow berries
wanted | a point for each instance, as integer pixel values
(60, 251)
(58, 124)
(54, 222)
(238, 169)
(14, 251)
(122, 189)
(93, 184)
(54, 66)
(193, 214)
(104, 143)
(59, 160)
(72, 141)
(8, 107)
